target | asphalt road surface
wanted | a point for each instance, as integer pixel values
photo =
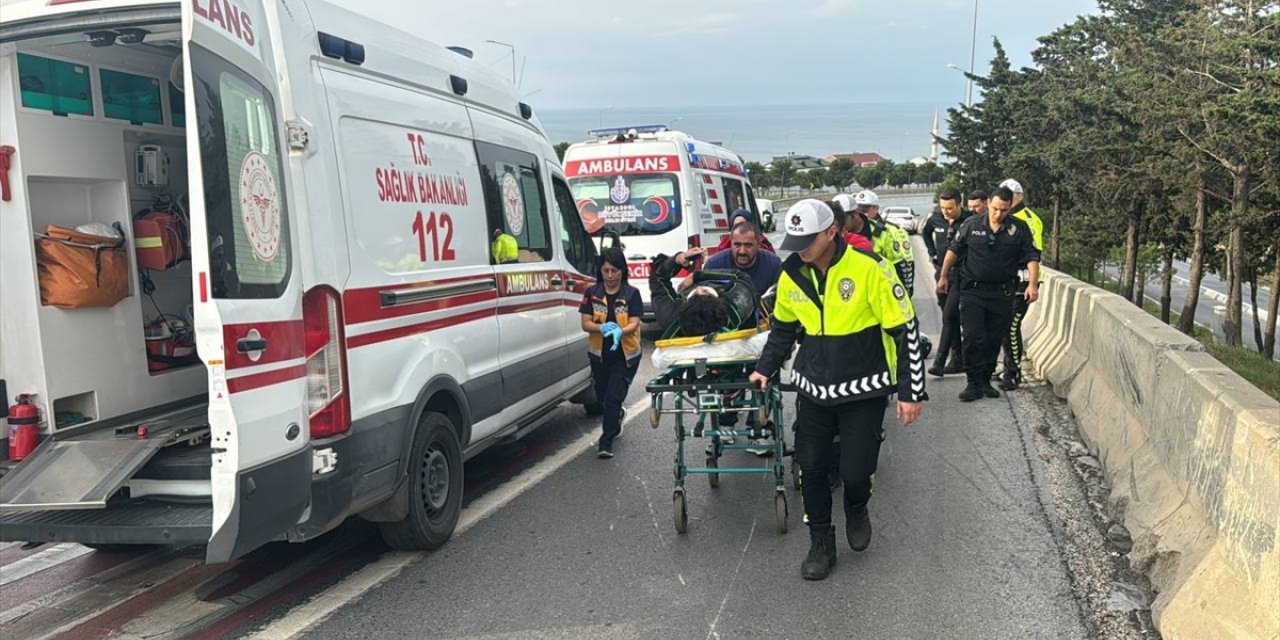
(1211, 307)
(555, 543)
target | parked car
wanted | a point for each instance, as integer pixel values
(904, 217)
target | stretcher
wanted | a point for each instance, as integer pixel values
(703, 380)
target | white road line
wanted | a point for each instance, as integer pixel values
(38, 562)
(314, 611)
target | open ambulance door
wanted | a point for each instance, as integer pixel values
(248, 281)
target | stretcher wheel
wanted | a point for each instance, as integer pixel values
(654, 417)
(679, 512)
(713, 478)
(795, 473)
(780, 510)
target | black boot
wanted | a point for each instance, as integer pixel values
(956, 363)
(857, 528)
(822, 553)
(939, 367)
(971, 392)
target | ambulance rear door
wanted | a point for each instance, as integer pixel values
(248, 285)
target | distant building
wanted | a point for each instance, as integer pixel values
(920, 161)
(801, 163)
(869, 159)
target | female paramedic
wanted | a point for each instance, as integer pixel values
(611, 311)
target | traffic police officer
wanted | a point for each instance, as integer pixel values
(890, 241)
(1012, 376)
(990, 250)
(844, 301)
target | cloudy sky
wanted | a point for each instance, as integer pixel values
(581, 53)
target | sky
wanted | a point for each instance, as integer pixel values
(595, 53)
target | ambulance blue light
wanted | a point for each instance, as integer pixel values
(691, 147)
(610, 132)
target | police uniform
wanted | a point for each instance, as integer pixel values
(938, 234)
(989, 264)
(1013, 340)
(861, 344)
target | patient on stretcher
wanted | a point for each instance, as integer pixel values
(713, 315)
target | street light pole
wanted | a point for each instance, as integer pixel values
(602, 112)
(513, 57)
(973, 49)
(968, 83)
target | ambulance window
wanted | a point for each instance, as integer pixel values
(578, 249)
(248, 225)
(54, 85)
(177, 110)
(515, 203)
(132, 98)
(733, 195)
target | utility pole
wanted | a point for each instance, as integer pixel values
(973, 50)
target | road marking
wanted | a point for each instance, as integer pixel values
(324, 604)
(38, 562)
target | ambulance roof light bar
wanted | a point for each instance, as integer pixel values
(613, 132)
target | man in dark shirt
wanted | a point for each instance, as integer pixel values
(989, 250)
(939, 232)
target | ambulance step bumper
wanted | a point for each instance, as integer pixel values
(140, 522)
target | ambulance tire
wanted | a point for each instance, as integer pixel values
(435, 488)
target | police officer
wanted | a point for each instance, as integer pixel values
(939, 232)
(989, 250)
(843, 301)
(1011, 378)
(890, 241)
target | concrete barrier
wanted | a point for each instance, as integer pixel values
(1191, 451)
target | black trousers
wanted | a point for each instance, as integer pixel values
(949, 340)
(860, 427)
(984, 318)
(612, 379)
(1013, 347)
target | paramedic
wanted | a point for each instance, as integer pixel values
(852, 224)
(989, 251)
(844, 301)
(611, 310)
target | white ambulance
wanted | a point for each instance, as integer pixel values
(320, 330)
(660, 191)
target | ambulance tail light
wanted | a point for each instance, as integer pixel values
(328, 404)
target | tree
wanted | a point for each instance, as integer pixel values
(870, 177)
(561, 147)
(783, 174)
(901, 174)
(814, 178)
(841, 173)
(758, 175)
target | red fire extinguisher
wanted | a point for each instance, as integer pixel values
(24, 428)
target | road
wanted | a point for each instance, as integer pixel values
(1211, 307)
(555, 543)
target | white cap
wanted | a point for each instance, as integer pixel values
(866, 198)
(804, 221)
(1012, 185)
(845, 201)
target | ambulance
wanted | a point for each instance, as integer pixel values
(659, 191)
(246, 274)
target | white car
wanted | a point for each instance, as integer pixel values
(904, 217)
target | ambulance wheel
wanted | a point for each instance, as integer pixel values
(714, 478)
(435, 488)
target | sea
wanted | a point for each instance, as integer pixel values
(896, 130)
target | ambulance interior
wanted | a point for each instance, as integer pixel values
(101, 149)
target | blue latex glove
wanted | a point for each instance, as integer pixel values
(612, 330)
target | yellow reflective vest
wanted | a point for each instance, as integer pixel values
(861, 336)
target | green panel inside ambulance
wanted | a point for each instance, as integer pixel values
(54, 85)
(126, 96)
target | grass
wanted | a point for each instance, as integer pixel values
(1248, 363)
